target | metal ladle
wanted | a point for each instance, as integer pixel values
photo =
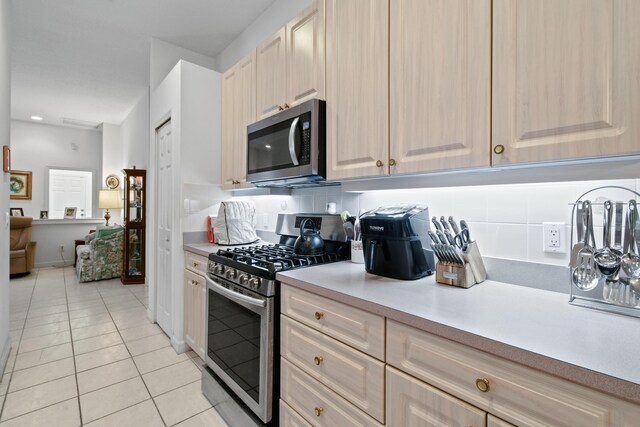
(608, 262)
(585, 275)
(631, 261)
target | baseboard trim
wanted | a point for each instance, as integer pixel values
(179, 346)
(6, 350)
(53, 264)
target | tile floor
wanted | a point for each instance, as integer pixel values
(85, 354)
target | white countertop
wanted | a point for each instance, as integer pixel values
(533, 327)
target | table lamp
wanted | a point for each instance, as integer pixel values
(109, 199)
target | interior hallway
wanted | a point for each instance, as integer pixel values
(86, 354)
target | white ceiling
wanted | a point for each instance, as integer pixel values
(89, 59)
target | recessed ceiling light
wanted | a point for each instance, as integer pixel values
(268, 147)
(36, 118)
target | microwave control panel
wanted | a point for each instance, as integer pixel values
(305, 147)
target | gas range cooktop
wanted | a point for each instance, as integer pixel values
(255, 267)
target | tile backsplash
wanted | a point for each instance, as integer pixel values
(505, 220)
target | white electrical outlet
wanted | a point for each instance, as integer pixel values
(553, 237)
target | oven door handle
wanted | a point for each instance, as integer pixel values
(292, 141)
(235, 296)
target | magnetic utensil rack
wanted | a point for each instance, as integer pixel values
(595, 298)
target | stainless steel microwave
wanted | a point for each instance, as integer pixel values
(288, 148)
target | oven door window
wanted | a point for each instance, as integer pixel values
(234, 342)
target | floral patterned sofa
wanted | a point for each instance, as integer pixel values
(101, 256)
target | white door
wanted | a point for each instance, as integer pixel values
(165, 218)
(69, 189)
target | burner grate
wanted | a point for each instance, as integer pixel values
(274, 258)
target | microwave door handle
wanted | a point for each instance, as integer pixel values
(292, 137)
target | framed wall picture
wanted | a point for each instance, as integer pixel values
(70, 213)
(6, 158)
(20, 185)
(44, 214)
(16, 211)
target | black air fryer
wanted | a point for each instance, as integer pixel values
(396, 243)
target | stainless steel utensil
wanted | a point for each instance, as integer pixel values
(454, 225)
(630, 263)
(445, 224)
(581, 212)
(436, 223)
(608, 261)
(450, 237)
(617, 231)
(585, 275)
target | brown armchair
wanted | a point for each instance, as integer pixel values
(22, 251)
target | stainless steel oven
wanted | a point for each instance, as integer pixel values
(240, 340)
(288, 148)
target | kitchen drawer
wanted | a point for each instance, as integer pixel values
(411, 402)
(353, 375)
(517, 394)
(352, 326)
(290, 418)
(195, 263)
(497, 422)
(318, 404)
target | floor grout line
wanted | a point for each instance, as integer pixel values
(73, 351)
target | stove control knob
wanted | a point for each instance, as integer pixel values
(244, 278)
(255, 283)
(232, 273)
(218, 269)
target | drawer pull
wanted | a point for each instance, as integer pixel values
(498, 149)
(482, 384)
(318, 360)
(195, 264)
(318, 411)
(319, 315)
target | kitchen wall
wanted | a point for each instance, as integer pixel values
(135, 135)
(5, 126)
(55, 146)
(164, 56)
(505, 220)
(275, 16)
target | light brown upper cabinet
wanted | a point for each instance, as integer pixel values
(565, 79)
(440, 84)
(290, 64)
(238, 111)
(357, 88)
(413, 99)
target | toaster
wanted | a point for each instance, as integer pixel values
(396, 243)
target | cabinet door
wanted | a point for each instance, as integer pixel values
(238, 111)
(357, 88)
(565, 79)
(440, 80)
(194, 311)
(271, 74)
(497, 422)
(305, 55)
(413, 403)
(230, 125)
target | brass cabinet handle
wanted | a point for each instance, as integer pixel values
(195, 264)
(482, 384)
(318, 360)
(392, 162)
(318, 411)
(498, 149)
(280, 108)
(379, 163)
(286, 105)
(194, 282)
(319, 315)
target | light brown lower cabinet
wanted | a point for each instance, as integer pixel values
(411, 402)
(316, 403)
(497, 422)
(290, 418)
(195, 298)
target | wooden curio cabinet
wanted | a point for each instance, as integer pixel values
(134, 222)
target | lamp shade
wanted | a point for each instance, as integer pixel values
(109, 199)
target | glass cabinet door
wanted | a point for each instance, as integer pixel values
(135, 240)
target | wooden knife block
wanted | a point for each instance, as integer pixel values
(455, 275)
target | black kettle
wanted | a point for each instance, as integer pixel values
(309, 242)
